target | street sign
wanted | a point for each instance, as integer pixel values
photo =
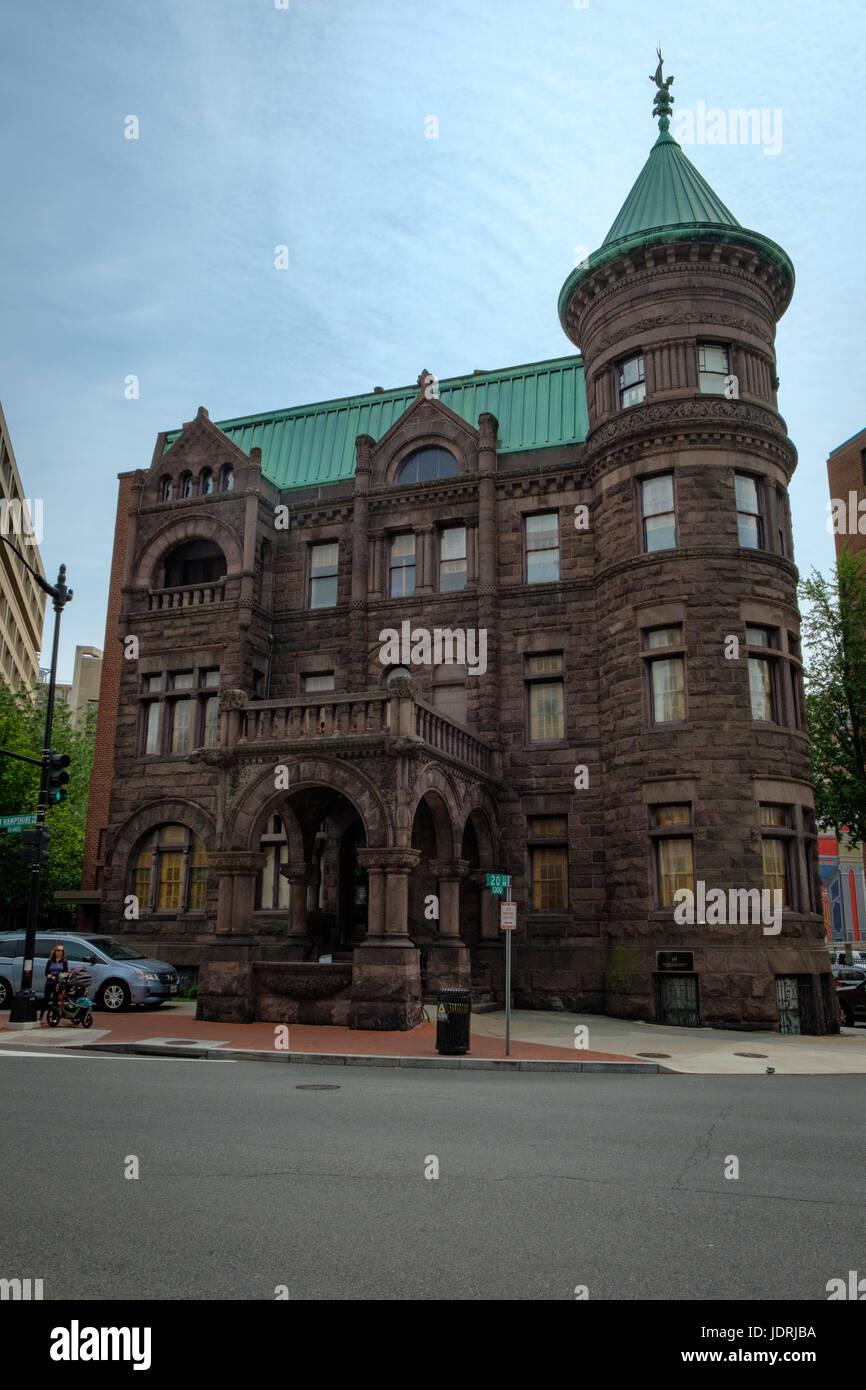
(16, 823)
(508, 916)
(497, 883)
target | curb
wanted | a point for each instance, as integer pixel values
(359, 1059)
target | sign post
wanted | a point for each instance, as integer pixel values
(499, 884)
(15, 824)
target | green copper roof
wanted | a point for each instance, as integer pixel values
(537, 406)
(668, 192)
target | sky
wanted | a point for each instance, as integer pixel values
(411, 242)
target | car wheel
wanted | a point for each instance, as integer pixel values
(114, 996)
(5, 994)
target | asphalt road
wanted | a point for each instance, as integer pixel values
(247, 1182)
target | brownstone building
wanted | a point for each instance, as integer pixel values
(542, 621)
(846, 474)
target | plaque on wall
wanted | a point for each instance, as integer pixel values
(671, 961)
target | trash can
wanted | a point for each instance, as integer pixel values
(452, 1022)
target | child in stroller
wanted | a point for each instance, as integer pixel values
(72, 1000)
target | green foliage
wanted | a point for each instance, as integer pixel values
(22, 726)
(834, 632)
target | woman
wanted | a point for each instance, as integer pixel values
(57, 965)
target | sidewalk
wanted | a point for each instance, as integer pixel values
(537, 1039)
(173, 1030)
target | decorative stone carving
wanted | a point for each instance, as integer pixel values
(232, 699)
(237, 861)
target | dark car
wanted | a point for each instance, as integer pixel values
(851, 993)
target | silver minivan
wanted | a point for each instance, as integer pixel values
(121, 975)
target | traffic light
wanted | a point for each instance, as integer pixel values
(57, 777)
(34, 844)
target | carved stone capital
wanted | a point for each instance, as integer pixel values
(296, 872)
(212, 757)
(394, 859)
(447, 870)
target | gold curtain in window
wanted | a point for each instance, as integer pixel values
(170, 891)
(197, 875)
(546, 711)
(675, 869)
(550, 877)
(669, 699)
(775, 868)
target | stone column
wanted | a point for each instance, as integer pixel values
(425, 546)
(377, 544)
(298, 875)
(237, 871)
(360, 539)
(386, 974)
(448, 963)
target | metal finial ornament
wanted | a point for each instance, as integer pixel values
(662, 106)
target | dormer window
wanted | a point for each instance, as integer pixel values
(227, 478)
(185, 486)
(632, 383)
(205, 482)
(166, 490)
(427, 464)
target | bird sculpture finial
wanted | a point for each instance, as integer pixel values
(663, 100)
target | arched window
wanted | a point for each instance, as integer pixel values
(194, 562)
(185, 485)
(398, 673)
(425, 464)
(169, 871)
(166, 489)
(227, 478)
(205, 482)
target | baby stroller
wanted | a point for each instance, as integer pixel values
(71, 1000)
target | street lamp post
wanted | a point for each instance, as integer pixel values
(24, 1002)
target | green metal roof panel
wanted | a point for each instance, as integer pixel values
(668, 192)
(538, 406)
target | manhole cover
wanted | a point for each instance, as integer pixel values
(751, 1054)
(652, 1054)
(317, 1086)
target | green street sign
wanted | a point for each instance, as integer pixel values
(15, 824)
(497, 883)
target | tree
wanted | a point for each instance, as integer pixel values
(834, 632)
(22, 727)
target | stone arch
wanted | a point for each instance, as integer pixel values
(278, 805)
(167, 811)
(479, 804)
(186, 528)
(444, 805)
(302, 772)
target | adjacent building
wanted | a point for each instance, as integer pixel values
(542, 621)
(22, 602)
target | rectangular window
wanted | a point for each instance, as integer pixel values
(548, 853)
(170, 893)
(712, 368)
(750, 521)
(657, 508)
(197, 876)
(668, 690)
(151, 731)
(324, 560)
(452, 559)
(762, 676)
(632, 383)
(775, 854)
(211, 722)
(181, 712)
(546, 698)
(402, 565)
(182, 680)
(674, 861)
(542, 548)
(152, 683)
(210, 677)
(323, 681)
